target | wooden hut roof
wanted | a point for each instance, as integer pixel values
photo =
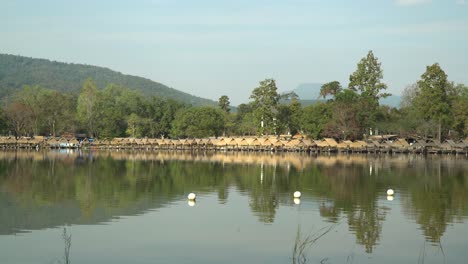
(321, 143)
(401, 142)
(309, 143)
(230, 141)
(260, 140)
(295, 143)
(266, 142)
(74, 141)
(298, 136)
(358, 144)
(250, 140)
(331, 142)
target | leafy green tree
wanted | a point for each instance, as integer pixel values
(244, 120)
(58, 113)
(170, 109)
(460, 112)
(367, 79)
(315, 118)
(3, 122)
(265, 103)
(224, 103)
(289, 117)
(331, 88)
(432, 102)
(87, 108)
(136, 125)
(198, 122)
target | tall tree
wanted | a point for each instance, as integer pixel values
(224, 103)
(265, 103)
(87, 110)
(367, 79)
(432, 102)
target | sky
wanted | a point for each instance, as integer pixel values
(211, 48)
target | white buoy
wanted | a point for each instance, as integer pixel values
(191, 203)
(390, 192)
(191, 196)
(297, 194)
(390, 198)
(297, 201)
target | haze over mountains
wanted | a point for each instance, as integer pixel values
(17, 71)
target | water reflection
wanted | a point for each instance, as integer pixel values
(48, 189)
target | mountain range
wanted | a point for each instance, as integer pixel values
(17, 71)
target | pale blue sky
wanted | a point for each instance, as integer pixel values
(214, 47)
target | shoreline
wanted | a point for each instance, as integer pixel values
(245, 144)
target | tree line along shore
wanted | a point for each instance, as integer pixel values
(432, 108)
(297, 143)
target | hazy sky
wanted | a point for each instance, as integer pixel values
(214, 47)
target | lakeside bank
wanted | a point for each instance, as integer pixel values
(375, 144)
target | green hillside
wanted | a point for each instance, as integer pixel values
(17, 71)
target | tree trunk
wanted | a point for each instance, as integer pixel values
(440, 130)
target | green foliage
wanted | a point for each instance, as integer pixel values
(460, 111)
(87, 109)
(224, 103)
(135, 125)
(198, 122)
(432, 102)
(367, 79)
(17, 71)
(331, 88)
(265, 102)
(315, 118)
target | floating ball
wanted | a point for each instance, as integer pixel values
(297, 201)
(390, 192)
(191, 196)
(297, 194)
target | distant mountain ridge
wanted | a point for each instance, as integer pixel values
(17, 71)
(309, 92)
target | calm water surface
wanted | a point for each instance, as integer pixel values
(131, 207)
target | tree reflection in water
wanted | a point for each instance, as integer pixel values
(96, 187)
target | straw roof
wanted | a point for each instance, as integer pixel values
(358, 144)
(331, 142)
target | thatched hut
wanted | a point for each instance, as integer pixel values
(358, 146)
(400, 145)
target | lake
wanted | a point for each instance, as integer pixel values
(131, 207)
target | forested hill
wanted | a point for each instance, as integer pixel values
(17, 71)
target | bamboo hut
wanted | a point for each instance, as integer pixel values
(433, 146)
(344, 146)
(358, 146)
(400, 145)
(231, 143)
